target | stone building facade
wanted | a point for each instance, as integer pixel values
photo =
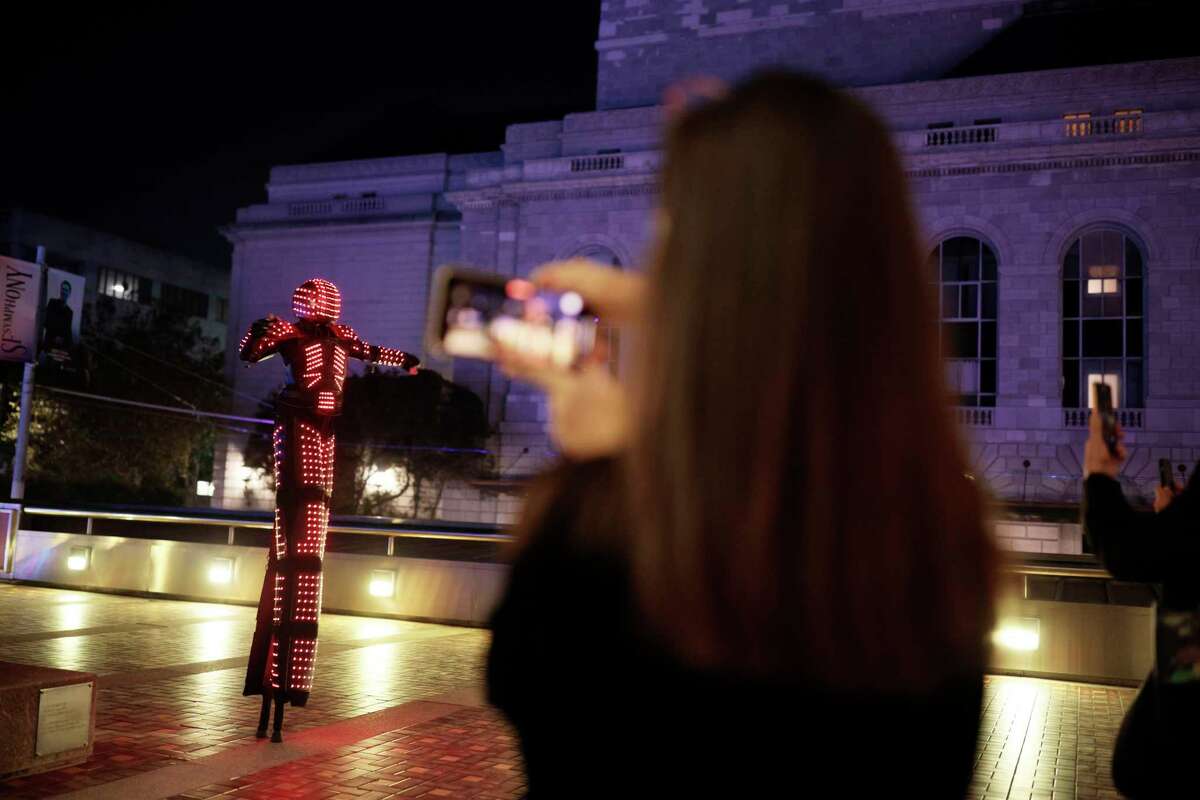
(1059, 208)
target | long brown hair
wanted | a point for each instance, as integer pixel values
(796, 479)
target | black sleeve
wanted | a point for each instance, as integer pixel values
(515, 630)
(1140, 545)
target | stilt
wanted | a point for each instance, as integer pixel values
(277, 734)
(264, 717)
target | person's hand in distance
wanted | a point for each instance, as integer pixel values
(1096, 455)
(1163, 495)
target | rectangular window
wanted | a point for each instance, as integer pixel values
(1103, 338)
(1103, 286)
(987, 375)
(222, 309)
(1133, 297)
(124, 286)
(1133, 337)
(1129, 120)
(1070, 383)
(1070, 340)
(949, 301)
(963, 376)
(187, 302)
(1133, 383)
(1079, 123)
(965, 268)
(969, 296)
(960, 339)
(1070, 299)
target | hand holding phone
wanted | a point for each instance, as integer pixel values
(1166, 478)
(1167, 488)
(1108, 417)
(471, 312)
(1103, 453)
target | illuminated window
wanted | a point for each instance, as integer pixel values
(1129, 120)
(964, 270)
(125, 286)
(1103, 322)
(1078, 124)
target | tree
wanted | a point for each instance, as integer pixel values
(83, 450)
(400, 439)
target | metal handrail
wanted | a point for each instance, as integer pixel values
(1086, 568)
(243, 522)
(1059, 572)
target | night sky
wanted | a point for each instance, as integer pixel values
(157, 122)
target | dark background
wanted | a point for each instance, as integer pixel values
(157, 121)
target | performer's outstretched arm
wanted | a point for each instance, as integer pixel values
(264, 337)
(373, 353)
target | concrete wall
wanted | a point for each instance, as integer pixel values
(447, 591)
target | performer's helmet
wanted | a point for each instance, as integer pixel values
(317, 299)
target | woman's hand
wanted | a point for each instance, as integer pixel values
(612, 294)
(1163, 495)
(589, 408)
(1096, 456)
(589, 416)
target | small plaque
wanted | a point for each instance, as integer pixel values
(64, 717)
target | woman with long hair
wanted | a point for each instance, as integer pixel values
(761, 560)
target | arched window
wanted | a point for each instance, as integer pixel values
(964, 270)
(607, 336)
(1103, 338)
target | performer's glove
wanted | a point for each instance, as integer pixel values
(259, 327)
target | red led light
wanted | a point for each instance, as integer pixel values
(317, 299)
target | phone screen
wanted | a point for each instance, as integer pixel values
(476, 310)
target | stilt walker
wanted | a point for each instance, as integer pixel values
(316, 349)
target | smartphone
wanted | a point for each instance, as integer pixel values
(1165, 476)
(470, 311)
(1108, 417)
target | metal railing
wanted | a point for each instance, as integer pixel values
(599, 163)
(982, 134)
(391, 528)
(974, 417)
(1115, 125)
(1078, 417)
(1069, 567)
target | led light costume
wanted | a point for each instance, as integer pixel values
(316, 350)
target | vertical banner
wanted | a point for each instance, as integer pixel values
(18, 323)
(60, 319)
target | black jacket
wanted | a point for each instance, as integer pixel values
(1142, 546)
(602, 711)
